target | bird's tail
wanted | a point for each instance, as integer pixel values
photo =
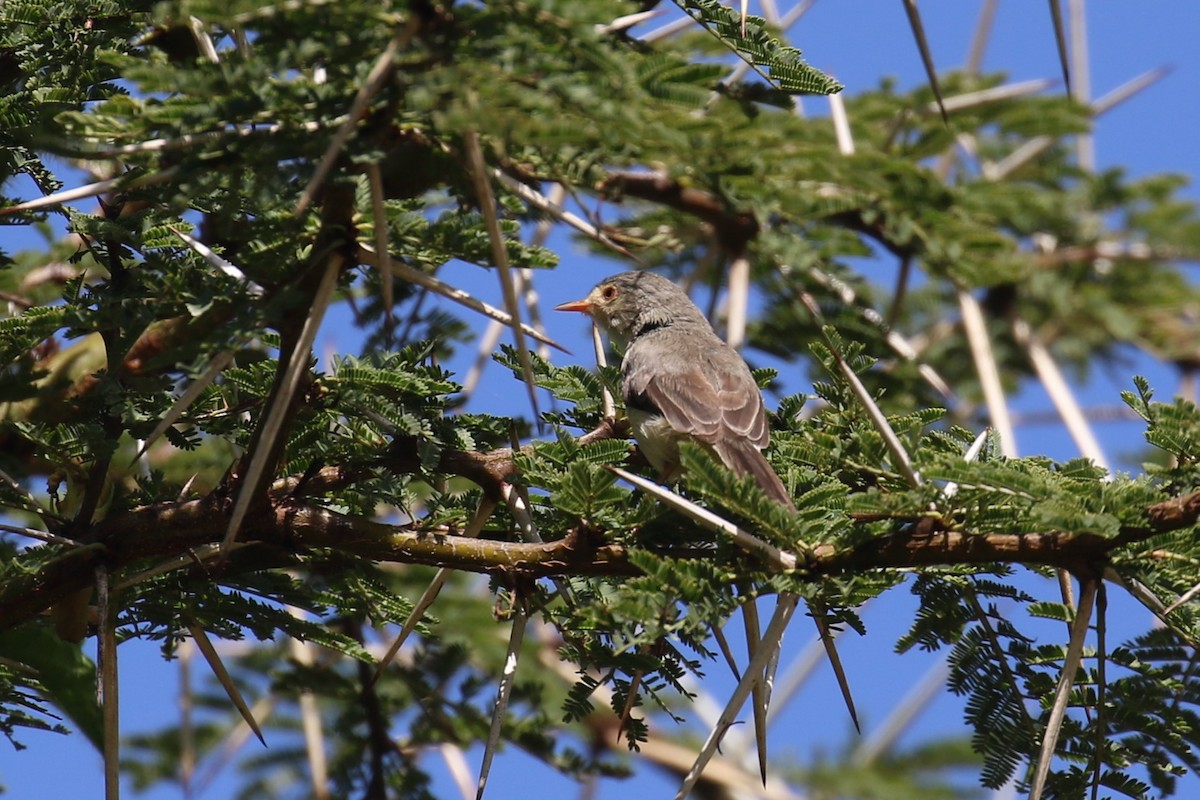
(741, 456)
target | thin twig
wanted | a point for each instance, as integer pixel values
(758, 694)
(835, 661)
(236, 737)
(1060, 393)
(375, 79)
(487, 203)
(193, 557)
(187, 730)
(532, 300)
(205, 646)
(380, 222)
(918, 30)
(41, 536)
(987, 371)
(1184, 598)
(1039, 144)
(841, 125)
(203, 43)
(1060, 42)
(979, 39)
(797, 11)
(483, 512)
(215, 367)
(802, 668)
(607, 404)
(272, 423)
(507, 680)
(901, 345)
(1066, 681)
(739, 301)
(630, 701)
(778, 559)
(555, 209)
(995, 94)
(483, 357)
(1129, 89)
(310, 721)
(368, 255)
(1079, 81)
(188, 140)
(773, 634)
(456, 765)
(107, 698)
(120, 183)
(900, 457)
(487, 342)
(951, 488)
(1000, 658)
(628, 21)
(670, 29)
(904, 714)
(225, 266)
(726, 651)
(903, 274)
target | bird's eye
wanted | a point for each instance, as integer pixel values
(608, 292)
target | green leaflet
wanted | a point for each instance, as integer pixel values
(784, 66)
(64, 676)
(19, 334)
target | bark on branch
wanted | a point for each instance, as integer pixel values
(290, 528)
(734, 229)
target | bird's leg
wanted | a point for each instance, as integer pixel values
(672, 474)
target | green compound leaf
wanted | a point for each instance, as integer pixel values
(779, 64)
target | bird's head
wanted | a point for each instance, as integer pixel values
(627, 304)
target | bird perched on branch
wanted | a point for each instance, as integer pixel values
(679, 379)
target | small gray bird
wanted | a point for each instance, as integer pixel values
(679, 379)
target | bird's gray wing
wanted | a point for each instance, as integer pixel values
(708, 393)
(711, 396)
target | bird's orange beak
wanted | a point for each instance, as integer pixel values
(583, 305)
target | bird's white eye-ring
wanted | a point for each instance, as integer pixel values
(608, 292)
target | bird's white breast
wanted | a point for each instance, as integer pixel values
(659, 442)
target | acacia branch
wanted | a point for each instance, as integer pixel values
(491, 469)
(286, 529)
(734, 229)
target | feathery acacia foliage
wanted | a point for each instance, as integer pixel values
(223, 121)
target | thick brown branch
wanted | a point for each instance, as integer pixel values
(734, 229)
(1173, 514)
(855, 220)
(490, 469)
(1125, 251)
(288, 528)
(174, 529)
(1066, 550)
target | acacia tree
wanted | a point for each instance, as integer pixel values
(191, 475)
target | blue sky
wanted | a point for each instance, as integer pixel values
(859, 42)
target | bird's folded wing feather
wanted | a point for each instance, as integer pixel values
(716, 404)
(701, 397)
